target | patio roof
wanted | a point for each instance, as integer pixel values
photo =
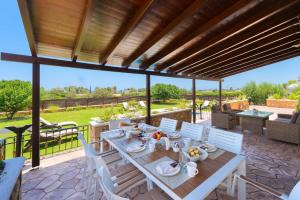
(192, 38)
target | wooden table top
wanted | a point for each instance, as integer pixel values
(206, 168)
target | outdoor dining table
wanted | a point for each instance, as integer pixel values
(253, 120)
(212, 171)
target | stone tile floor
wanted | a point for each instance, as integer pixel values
(273, 163)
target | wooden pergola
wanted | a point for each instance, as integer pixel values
(194, 39)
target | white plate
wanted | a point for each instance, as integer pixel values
(210, 148)
(174, 136)
(142, 148)
(173, 173)
(115, 135)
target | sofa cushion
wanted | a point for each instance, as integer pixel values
(282, 120)
(215, 109)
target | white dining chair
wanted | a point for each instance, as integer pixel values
(115, 124)
(89, 167)
(294, 195)
(115, 191)
(193, 131)
(226, 140)
(168, 125)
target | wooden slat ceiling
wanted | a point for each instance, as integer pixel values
(202, 38)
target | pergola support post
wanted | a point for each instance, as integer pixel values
(220, 93)
(148, 98)
(35, 139)
(194, 100)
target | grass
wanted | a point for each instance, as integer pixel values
(81, 117)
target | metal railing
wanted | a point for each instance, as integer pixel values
(51, 142)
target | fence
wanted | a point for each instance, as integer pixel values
(65, 103)
(51, 142)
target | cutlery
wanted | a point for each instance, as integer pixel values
(204, 148)
(174, 164)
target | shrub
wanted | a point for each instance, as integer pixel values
(15, 95)
(276, 96)
(107, 114)
(295, 95)
(53, 108)
(258, 94)
(182, 103)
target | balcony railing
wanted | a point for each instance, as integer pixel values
(51, 142)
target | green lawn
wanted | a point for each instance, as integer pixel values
(82, 117)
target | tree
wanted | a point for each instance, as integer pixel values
(104, 92)
(15, 95)
(165, 91)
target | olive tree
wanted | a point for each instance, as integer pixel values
(15, 95)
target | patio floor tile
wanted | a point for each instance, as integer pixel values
(273, 163)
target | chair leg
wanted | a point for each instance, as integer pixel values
(84, 175)
(229, 185)
(88, 190)
(149, 184)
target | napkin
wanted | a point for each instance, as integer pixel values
(133, 148)
(165, 168)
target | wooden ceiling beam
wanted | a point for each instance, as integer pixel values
(257, 61)
(157, 36)
(82, 31)
(230, 45)
(283, 10)
(125, 30)
(89, 66)
(198, 33)
(259, 56)
(257, 65)
(285, 35)
(26, 18)
(260, 53)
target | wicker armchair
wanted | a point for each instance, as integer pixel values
(283, 129)
(222, 120)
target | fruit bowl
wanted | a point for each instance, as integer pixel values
(158, 135)
(195, 153)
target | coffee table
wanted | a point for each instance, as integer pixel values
(253, 121)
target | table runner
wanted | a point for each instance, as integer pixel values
(215, 154)
(171, 181)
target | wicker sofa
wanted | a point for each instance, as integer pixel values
(222, 119)
(285, 128)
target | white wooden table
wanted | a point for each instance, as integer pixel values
(211, 172)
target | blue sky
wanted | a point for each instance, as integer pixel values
(13, 40)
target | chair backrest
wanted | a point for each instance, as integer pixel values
(226, 140)
(193, 131)
(142, 104)
(125, 105)
(168, 125)
(115, 124)
(206, 103)
(295, 193)
(105, 181)
(45, 122)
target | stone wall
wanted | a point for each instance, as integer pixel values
(239, 104)
(282, 103)
(180, 115)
